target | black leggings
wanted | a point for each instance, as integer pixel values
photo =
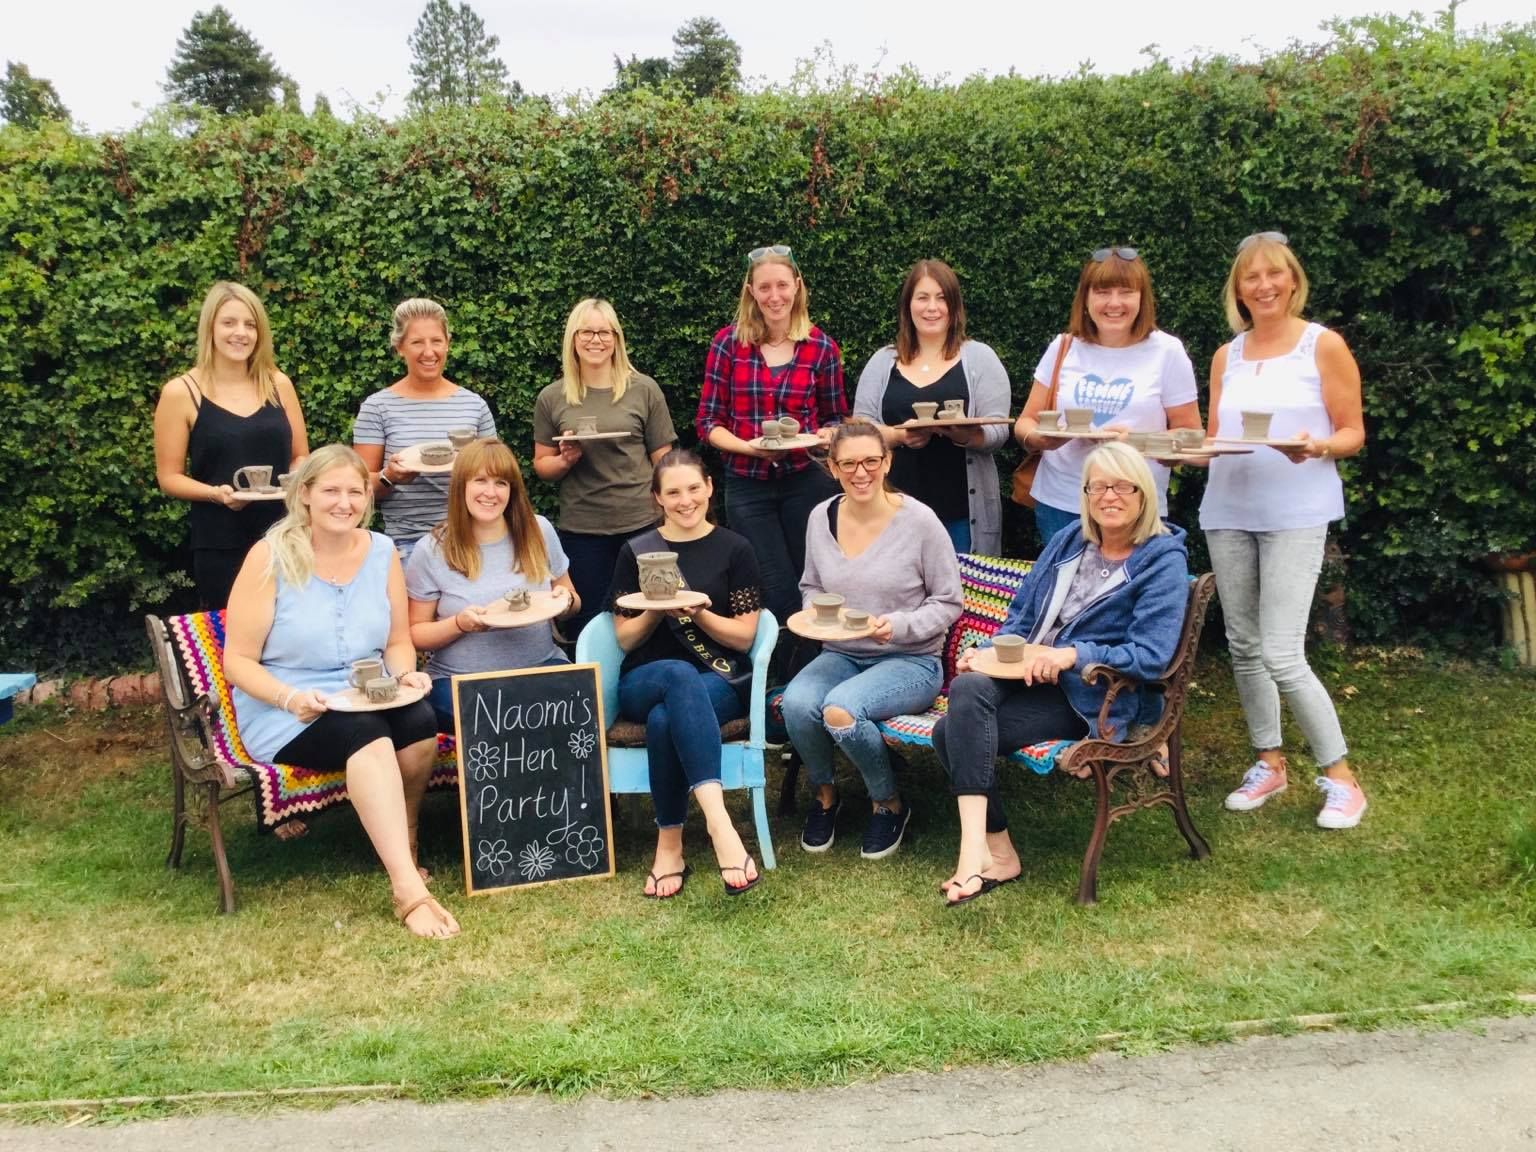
(333, 739)
(988, 717)
(213, 573)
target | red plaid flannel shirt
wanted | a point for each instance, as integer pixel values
(740, 393)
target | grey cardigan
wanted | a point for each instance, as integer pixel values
(987, 382)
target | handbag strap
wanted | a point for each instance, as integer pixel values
(1061, 354)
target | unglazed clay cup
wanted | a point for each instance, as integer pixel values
(364, 671)
(516, 600)
(1160, 443)
(461, 438)
(1137, 440)
(660, 577)
(1256, 425)
(952, 410)
(1050, 419)
(772, 430)
(789, 427)
(925, 409)
(1079, 419)
(855, 619)
(829, 606)
(1187, 437)
(254, 478)
(586, 425)
(435, 454)
(381, 689)
(1009, 649)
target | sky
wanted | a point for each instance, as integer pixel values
(107, 58)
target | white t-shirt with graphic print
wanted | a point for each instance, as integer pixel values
(1133, 386)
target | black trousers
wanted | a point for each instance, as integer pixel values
(328, 743)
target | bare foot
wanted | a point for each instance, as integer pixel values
(1159, 762)
(292, 830)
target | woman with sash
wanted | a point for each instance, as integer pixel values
(682, 666)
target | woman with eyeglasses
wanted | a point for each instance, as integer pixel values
(1115, 360)
(889, 555)
(605, 495)
(771, 362)
(1266, 514)
(1111, 589)
(949, 469)
(422, 406)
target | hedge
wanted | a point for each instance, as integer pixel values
(1400, 158)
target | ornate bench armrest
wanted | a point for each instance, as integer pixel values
(1118, 683)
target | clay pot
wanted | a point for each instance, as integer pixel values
(659, 575)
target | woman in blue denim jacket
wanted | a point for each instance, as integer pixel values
(1111, 591)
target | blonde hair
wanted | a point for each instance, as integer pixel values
(456, 534)
(1277, 255)
(416, 308)
(620, 371)
(1114, 271)
(292, 552)
(751, 328)
(260, 365)
(1118, 461)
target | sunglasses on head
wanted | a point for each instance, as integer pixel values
(757, 255)
(1271, 237)
(1099, 255)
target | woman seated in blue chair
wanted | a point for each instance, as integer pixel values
(682, 667)
(1111, 591)
(491, 543)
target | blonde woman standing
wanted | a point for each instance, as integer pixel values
(233, 408)
(605, 485)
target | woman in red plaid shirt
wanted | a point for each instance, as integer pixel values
(772, 362)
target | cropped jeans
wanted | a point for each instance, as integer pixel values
(682, 706)
(1266, 581)
(868, 688)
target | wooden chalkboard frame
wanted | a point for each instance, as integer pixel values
(601, 799)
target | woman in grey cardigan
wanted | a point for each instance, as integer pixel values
(951, 469)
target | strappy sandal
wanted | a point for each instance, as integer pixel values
(403, 911)
(748, 886)
(655, 892)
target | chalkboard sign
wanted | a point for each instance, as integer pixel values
(533, 777)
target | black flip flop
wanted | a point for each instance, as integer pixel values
(987, 885)
(748, 886)
(656, 883)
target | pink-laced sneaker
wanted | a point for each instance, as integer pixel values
(1259, 783)
(1343, 803)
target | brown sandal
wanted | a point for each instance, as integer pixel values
(403, 911)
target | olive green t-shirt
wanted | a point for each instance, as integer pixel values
(608, 491)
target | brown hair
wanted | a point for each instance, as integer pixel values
(456, 534)
(949, 286)
(854, 430)
(1113, 272)
(676, 458)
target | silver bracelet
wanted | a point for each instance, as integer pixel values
(287, 699)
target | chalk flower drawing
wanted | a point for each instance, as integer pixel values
(582, 744)
(483, 759)
(492, 857)
(584, 847)
(535, 861)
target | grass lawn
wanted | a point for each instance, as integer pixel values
(117, 977)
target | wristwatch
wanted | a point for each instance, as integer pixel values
(385, 480)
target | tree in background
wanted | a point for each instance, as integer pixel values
(652, 72)
(322, 107)
(706, 60)
(27, 100)
(454, 62)
(219, 65)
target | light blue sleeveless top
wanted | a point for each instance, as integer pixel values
(317, 631)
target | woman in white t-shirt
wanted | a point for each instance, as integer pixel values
(1266, 514)
(1117, 362)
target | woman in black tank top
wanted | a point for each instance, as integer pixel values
(234, 409)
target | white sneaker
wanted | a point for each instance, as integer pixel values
(1343, 803)
(1259, 783)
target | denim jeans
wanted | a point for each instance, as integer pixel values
(1049, 521)
(959, 534)
(772, 515)
(988, 718)
(676, 700)
(868, 688)
(441, 695)
(592, 559)
(1265, 581)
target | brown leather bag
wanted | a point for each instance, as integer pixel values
(1024, 474)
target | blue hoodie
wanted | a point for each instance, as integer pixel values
(1133, 626)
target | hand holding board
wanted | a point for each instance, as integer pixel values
(533, 777)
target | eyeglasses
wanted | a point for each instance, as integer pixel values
(1100, 255)
(1271, 237)
(757, 255)
(870, 464)
(1097, 488)
(594, 335)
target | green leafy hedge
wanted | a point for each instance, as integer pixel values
(1400, 158)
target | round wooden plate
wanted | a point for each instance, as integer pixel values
(683, 598)
(356, 700)
(252, 495)
(803, 440)
(410, 459)
(985, 661)
(803, 623)
(1074, 434)
(574, 436)
(958, 422)
(541, 606)
(1177, 457)
(1293, 443)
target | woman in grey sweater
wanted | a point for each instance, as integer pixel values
(889, 555)
(949, 469)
